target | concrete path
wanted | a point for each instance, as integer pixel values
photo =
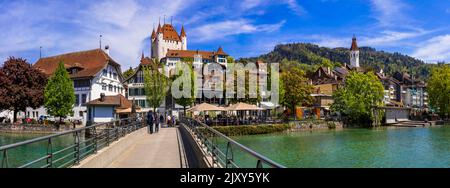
(160, 150)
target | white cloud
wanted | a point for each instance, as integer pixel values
(389, 12)
(220, 30)
(297, 8)
(390, 38)
(435, 49)
(124, 25)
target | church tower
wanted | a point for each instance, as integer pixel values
(354, 53)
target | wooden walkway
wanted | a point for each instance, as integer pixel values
(159, 150)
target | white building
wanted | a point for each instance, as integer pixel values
(354, 54)
(93, 72)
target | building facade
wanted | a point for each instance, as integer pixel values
(93, 73)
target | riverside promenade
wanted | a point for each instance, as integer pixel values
(159, 150)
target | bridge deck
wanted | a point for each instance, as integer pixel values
(160, 150)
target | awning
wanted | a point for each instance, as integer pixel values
(205, 107)
(268, 105)
(243, 107)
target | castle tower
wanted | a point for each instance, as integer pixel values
(167, 38)
(354, 53)
(183, 39)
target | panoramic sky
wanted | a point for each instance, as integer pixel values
(244, 28)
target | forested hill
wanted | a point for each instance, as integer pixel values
(370, 58)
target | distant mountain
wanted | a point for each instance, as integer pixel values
(370, 58)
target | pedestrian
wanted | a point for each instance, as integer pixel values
(156, 123)
(174, 122)
(150, 121)
(169, 122)
(161, 119)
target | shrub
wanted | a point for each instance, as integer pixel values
(251, 129)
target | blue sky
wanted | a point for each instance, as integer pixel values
(244, 28)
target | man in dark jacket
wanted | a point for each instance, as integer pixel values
(150, 122)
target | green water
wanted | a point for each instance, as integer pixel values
(24, 154)
(385, 148)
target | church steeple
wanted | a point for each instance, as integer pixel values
(354, 53)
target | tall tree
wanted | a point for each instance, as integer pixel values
(155, 84)
(59, 94)
(21, 86)
(128, 73)
(295, 89)
(362, 91)
(439, 90)
(183, 78)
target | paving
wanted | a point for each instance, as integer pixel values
(158, 150)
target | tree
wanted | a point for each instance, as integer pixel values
(439, 90)
(21, 86)
(182, 78)
(155, 84)
(59, 94)
(128, 73)
(361, 92)
(295, 90)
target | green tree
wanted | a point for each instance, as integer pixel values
(439, 90)
(128, 73)
(155, 84)
(59, 94)
(295, 89)
(21, 86)
(358, 97)
(182, 78)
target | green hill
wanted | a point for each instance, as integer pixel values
(314, 56)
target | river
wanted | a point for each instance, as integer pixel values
(381, 147)
(348, 148)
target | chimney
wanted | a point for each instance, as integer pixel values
(107, 49)
(102, 97)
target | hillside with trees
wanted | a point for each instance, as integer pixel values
(371, 59)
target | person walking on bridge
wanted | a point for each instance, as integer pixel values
(161, 120)
(150, 121)
(156, 123)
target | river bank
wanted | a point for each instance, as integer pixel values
(33, 129)
(297, 126)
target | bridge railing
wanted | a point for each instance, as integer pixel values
(224, 150)
(67, 148)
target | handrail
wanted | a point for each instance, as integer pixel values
(81, 147)
(260, 158)
(57, 134)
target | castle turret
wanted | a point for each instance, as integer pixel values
(183, 39)
(354, 53)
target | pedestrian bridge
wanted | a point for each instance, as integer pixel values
(127, 144)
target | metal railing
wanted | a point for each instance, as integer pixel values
(220, 147)
(82, 142)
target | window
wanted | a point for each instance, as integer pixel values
(110, 87)
(81, 83)
(28, 114)
(83, 99)
(115, 75)
(81, 114)
(77, 100)
(115, 88)
(105, 72)
(104, 87)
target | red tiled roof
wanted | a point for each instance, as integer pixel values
(183, 33)
(89, 63)
(220, 51)
(354, 44)
(119, 100)
(190, 53)
(169, 33)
